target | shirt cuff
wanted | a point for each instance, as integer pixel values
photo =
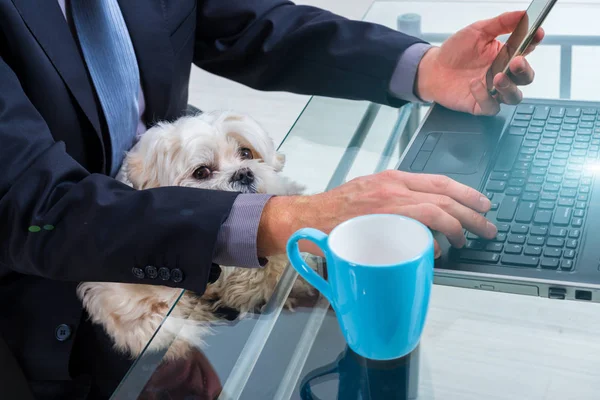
(236, 242)
(402, 84)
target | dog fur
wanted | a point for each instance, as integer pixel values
(171, 154)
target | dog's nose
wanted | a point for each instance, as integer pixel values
(245, 176)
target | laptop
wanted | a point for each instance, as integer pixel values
(536, 162)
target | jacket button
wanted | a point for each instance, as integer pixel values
(164, 273)
(151, 272)
(62, 333)
(138, 272)
(176, 275)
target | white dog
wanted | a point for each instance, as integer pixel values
(220, 151)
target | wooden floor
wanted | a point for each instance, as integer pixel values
(478, 345)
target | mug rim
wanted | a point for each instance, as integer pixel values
(408, 260)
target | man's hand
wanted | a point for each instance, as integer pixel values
(439, 202)
(453, 75)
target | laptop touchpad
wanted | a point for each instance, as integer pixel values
(457, 153)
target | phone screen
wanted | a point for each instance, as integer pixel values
(520, 38)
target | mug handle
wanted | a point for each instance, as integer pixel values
(293, 251)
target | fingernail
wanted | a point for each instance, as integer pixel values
(491, 230)
(438, 253)
(485, 203)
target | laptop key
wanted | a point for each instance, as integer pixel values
(555, 242)
(536, 240)
(525, 109)
(525, 212)
(573, 112)
(579, 213)
(546, 205)
(541, 112)
(516, 130)
(519, 173)
(525, 157)
(520, 124)
(516, 239)
(533, 251)
(532, 187)
(566, 265)
(516, 182)
(530, 196)
(495, 247)
(499, 176)
(577, 222)
(569, 120)
(518, 228)
(502, 227)
(524, 261)
(567, 202)
(539, 230)
(496, 186)
(569, 254)
(549, 196)
(552, 252)
(562, 216)
(475, 244)
(558, 232)
(535, 179)
(589, 111)
(543, 217)
(513, 249)
(550, 263)
(500, 237)
(557, 112)
(480, 256)
(513, 191)
(574, 233)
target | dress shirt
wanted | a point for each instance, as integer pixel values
(236, 243)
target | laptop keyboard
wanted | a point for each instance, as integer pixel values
(540, 189)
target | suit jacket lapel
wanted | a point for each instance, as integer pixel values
(47, 23)
(146, 24)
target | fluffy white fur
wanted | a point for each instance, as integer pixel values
(168, 155)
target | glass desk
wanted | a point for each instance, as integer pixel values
(477, 344)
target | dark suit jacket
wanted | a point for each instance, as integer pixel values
(54, 148)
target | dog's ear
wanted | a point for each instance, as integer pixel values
(139, 169)
(247, 131)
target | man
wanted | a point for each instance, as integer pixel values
(79, 79)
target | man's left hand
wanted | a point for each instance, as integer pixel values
(453, 75)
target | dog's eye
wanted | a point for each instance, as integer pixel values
(202, 172)
(246, 153)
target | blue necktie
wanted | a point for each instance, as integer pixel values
(112, 64)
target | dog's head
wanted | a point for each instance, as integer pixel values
(220, 151)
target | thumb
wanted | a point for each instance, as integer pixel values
(502, 24)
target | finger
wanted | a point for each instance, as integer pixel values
(503, 23)
(507, 89)
(537, 38)
(437, 250)
(521, 71)
(469, 219)
(442, 185)
(485, 103)
(436, 219)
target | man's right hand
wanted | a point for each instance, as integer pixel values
(437, 201)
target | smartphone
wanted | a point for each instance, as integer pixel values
(519, 40)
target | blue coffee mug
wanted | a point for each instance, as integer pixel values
(380, 273)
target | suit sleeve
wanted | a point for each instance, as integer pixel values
(60, 222)
(277, 45)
